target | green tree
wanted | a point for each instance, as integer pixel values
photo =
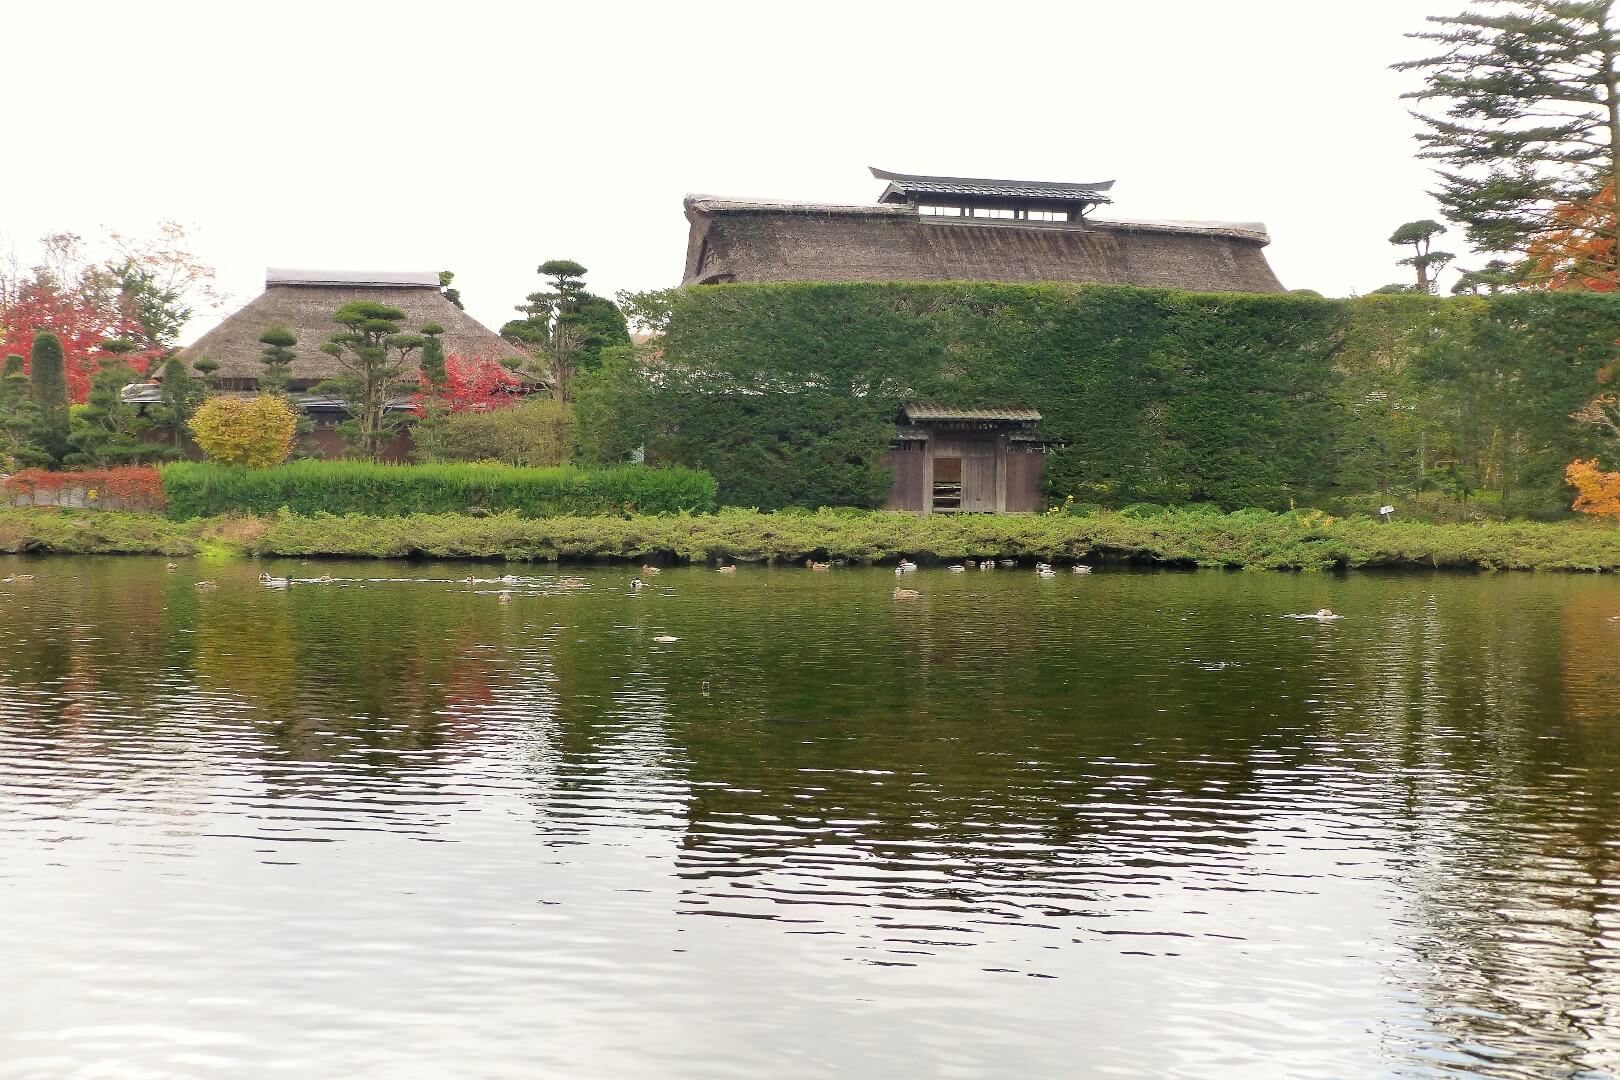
(48, 381)
(432, 362)
(158, 307)
(181, 395)
(1427, 263)
(106, 430)
(276, 359)
(1494, 277)
(205, 366)
(451, 294)
(566, 328)
(1531, 122)
(17, 418)
(373, 357)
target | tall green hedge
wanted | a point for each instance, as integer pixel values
(355, 487)
(788, 393)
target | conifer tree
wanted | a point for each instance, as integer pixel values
(181, 394)
(277, 359)
(433, 367)
(1419, 236)
(373, 357)
(1531, 97)
(17, 418)
(568, 327)
(450, 293)
(48, 383)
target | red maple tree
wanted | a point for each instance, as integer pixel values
(81, 324)
(472, 385)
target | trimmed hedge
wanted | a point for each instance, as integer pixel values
(1251, 539)
(344, 487)
(788, 393)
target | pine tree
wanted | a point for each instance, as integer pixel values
(181, 394)
(1419, 236)
(432, 364)
(373, 357)
(48, 382)
(1531, 90)
(568, 327)
(451, 294)
(277, 359)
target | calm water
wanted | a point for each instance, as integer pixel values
(1126, 825)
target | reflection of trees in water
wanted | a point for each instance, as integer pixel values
(1480, 702)
(607, 759)
(989, 735)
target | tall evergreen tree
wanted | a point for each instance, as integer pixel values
(48, 382)
(568, 327)
(1531, 93)
(17, 417)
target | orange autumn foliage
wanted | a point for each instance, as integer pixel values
(1579, 252)
(1598, 491)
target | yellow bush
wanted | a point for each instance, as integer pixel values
(256, 432)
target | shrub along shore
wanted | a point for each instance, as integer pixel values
(1247, 539)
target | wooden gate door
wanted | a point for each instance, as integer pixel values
(979, 479)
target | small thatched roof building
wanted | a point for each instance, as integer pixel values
(951, 228)
(303, 301)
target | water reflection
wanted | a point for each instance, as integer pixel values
(1127, 823)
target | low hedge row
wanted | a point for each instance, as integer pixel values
(344, 487)
(1247, 539)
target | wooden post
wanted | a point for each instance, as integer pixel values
(1002, 441)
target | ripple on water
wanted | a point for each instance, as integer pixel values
(1129, 823)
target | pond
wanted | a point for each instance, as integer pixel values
(779, 823)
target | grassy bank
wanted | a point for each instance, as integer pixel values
(1249, 539)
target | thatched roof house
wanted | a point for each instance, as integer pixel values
(947, 228)
(303, 301)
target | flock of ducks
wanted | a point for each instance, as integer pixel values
(905, 566)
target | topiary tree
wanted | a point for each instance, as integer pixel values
(254, 432)
(181, 394)
(373, 357)
(566, 328)
(205, 367)
(48, 380)
(106, 430)
(432, 363)
(17, 418)
(276, 359)
(1419, 235)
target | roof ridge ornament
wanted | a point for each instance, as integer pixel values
(281, 275)
(904, 186)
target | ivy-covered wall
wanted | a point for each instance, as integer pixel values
(788, 393)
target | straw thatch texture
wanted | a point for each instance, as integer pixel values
(735, 240)
(307, 310)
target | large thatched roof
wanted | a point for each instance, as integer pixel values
(756, 240)
(303, 301)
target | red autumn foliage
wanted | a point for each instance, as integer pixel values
(82, 323)
(474, 385)
(133, 484)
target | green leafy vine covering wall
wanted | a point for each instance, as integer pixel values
(788, 393)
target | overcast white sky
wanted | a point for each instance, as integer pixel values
(487, 137)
